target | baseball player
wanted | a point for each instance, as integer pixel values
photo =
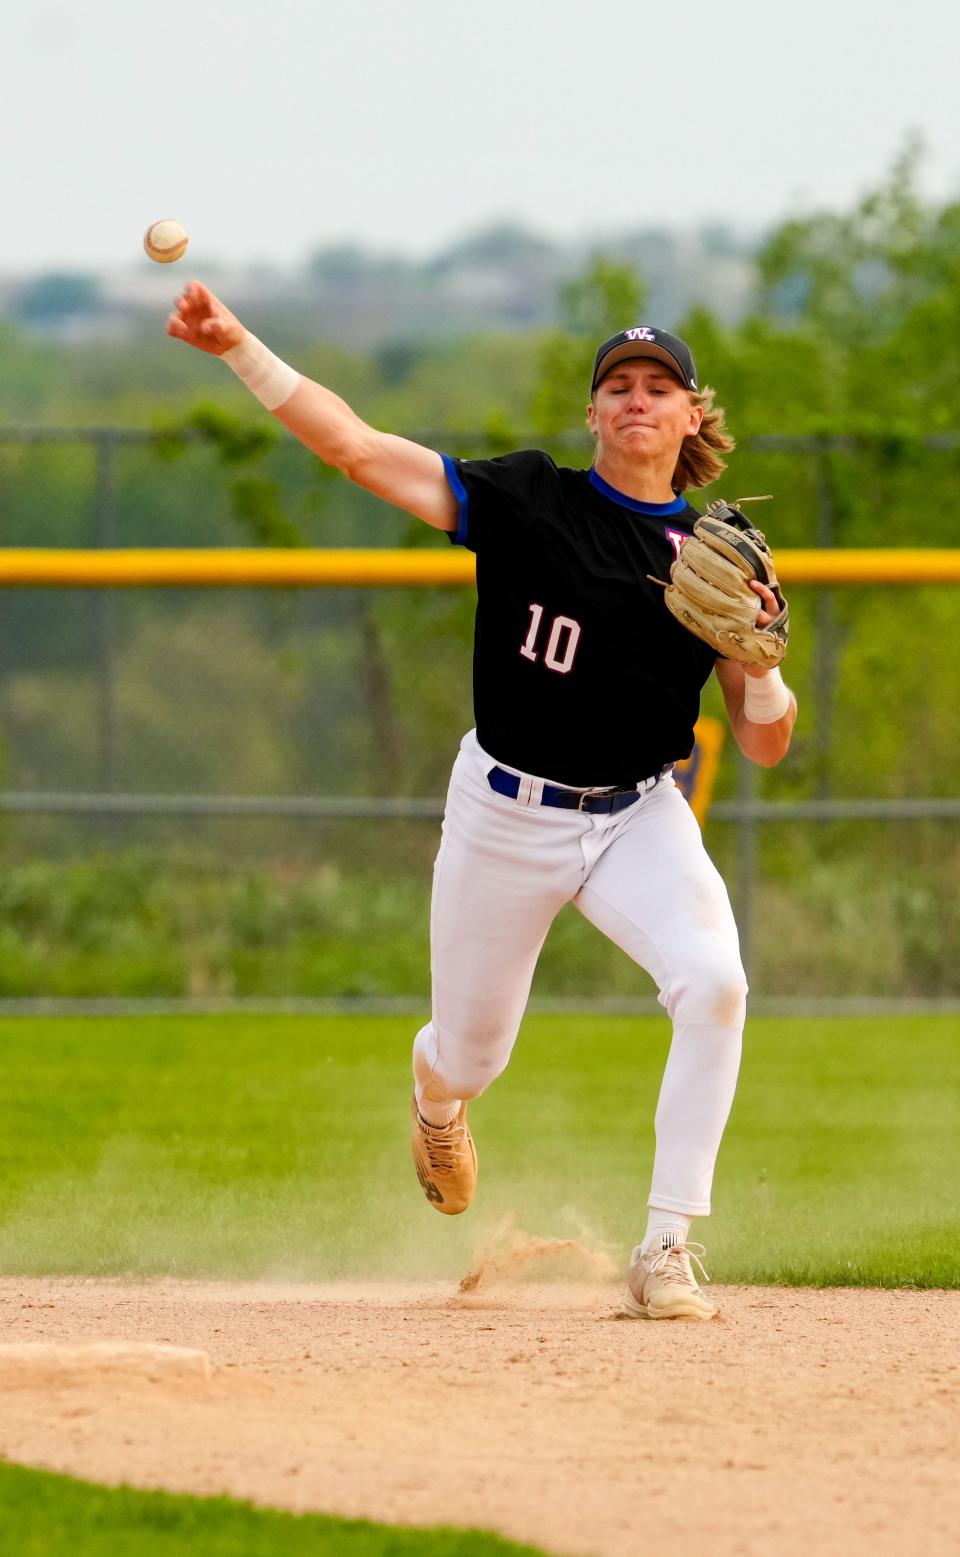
(586, 691)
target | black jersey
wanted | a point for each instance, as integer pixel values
(580, 673)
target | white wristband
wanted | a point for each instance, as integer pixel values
(271, 380)
(765, 698)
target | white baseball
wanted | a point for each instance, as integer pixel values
(165, 241)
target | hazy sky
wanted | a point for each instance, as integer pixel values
(271, 127)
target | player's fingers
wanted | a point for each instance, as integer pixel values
(186, 307)
(187, 303)
(176, 326)
(766, 594)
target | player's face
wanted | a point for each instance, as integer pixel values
(640, 409)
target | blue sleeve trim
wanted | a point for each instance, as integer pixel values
(460, 493)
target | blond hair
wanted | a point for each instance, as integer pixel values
(699, 461)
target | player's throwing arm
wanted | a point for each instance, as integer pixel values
(396, 469)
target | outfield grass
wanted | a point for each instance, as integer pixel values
(42, 1514)
(240, 1146)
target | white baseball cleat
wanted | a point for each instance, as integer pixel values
(446, 1161)
(661, 1283)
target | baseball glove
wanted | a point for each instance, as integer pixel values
(709, 589)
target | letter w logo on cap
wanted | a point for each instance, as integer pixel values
(644, 333)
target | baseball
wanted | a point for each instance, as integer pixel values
(165, 241)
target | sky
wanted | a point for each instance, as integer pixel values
(271, 128)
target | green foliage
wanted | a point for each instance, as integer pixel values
(30, 373)
(607, 298)
(451, 389)
(876, 292)
(135, 923)
(851, 275)
(601, 301)
(256, 500)
(216, 1146)
(236, 439)
(345, 913)
(44, 1515)
(258, 509)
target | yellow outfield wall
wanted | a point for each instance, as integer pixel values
(263, 567)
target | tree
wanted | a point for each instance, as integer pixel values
(607, 297)
(58, 296)
(501, 245)
(852, 275)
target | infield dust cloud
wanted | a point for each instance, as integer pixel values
(513, 1256)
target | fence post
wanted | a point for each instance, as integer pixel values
(824, 634)
(103, 609)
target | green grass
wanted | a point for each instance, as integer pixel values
(42, 1515)
(245, 1146)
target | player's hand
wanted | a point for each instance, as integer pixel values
(767, 612)
(201, 320)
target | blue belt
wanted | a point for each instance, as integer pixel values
(577, 799)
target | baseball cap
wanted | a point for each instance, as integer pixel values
(644, 340)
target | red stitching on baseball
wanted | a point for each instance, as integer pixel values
(155, 247)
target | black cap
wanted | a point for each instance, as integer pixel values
(645, 340)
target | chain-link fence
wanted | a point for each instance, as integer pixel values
(234, 793)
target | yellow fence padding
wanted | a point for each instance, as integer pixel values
(375, 568)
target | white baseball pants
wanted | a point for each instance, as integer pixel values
(504, 870)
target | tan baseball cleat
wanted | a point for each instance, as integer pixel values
(446, 1161)
(661, 1284)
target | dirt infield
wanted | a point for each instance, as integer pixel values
(799, 1422)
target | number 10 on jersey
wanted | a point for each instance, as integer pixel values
(561, 648)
